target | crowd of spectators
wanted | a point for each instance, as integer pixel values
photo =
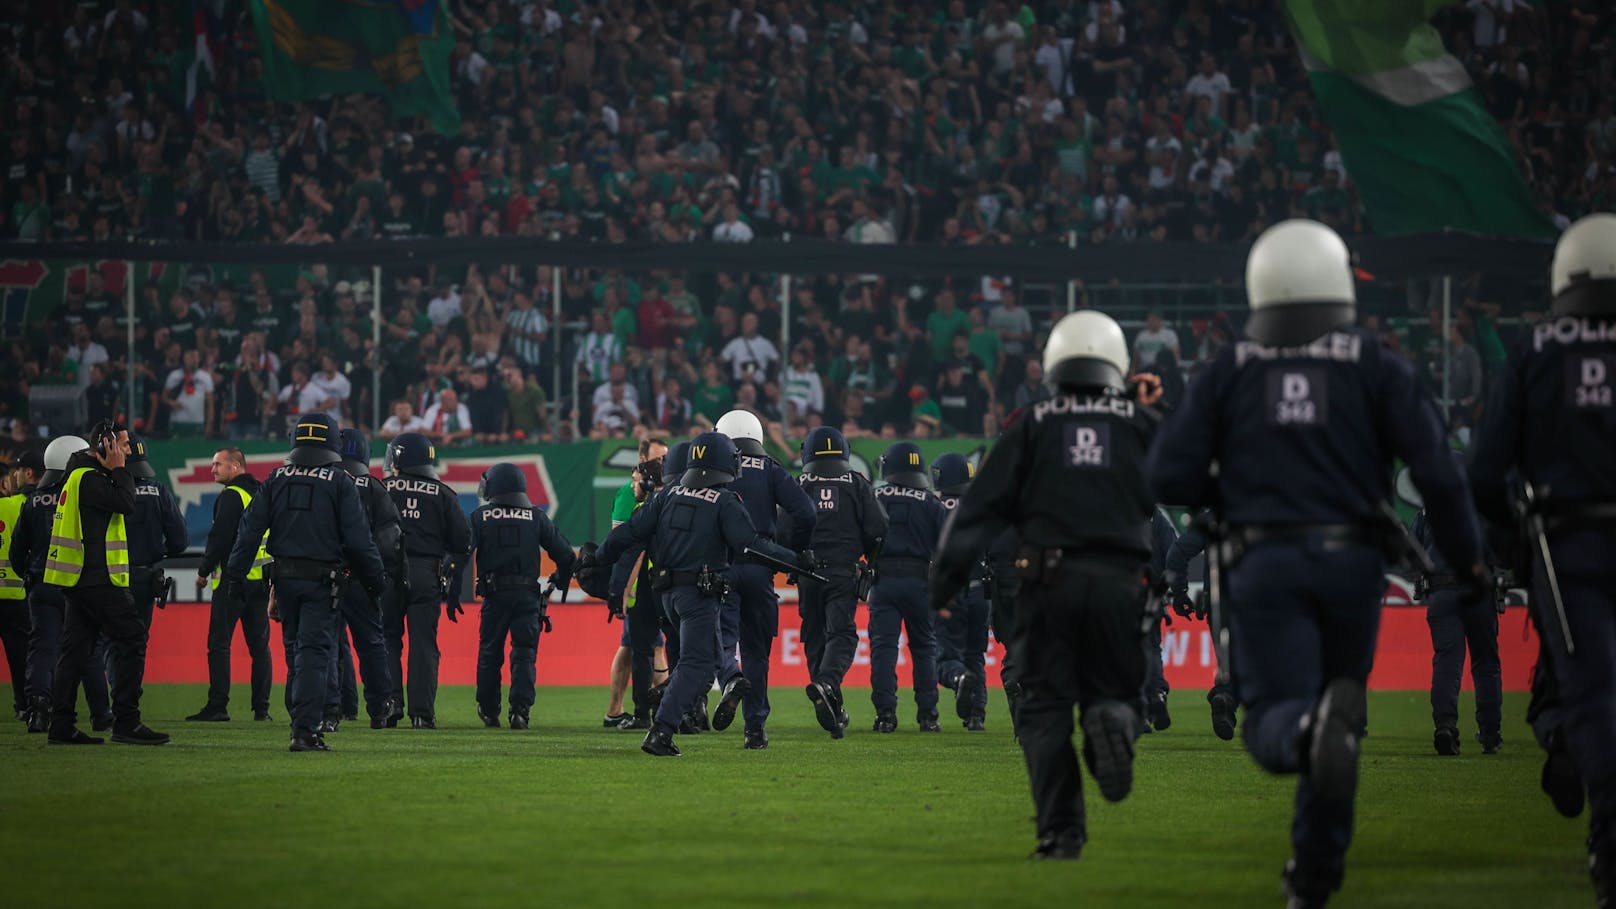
(874, 122)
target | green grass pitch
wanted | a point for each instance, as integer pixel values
(569, 814)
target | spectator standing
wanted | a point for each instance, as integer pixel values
(448, 422)
(801, 387)
(526, 406)
(599, 350)
(1155, 337)
(487, 405)
(402, 420)
(335, 389)
(751, 357)
(188, 393)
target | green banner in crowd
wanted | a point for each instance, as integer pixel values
(396, 48)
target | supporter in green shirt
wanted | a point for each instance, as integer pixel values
(943, 322)
(713, 397)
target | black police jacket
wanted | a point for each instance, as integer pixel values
(382, 515)
(1307, 435)
(849, 522)
(1068, 473)
(157, 529)
(765, 486)
(915, 519)
(311, 513)
(688, 529)
(429, 512)
(506, 540)
(227, 511)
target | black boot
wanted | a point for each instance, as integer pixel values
(262, 716)
(964, 696)
(395, 714)
(518, 719)
(309, 743)
(928, 722)
(422, 722)
(1108, 734)
(1066, 845)
(659, 743)
(1602, 868)
(825, 708)
(141, 734)
(71, 736)
(1304, 890)
(698, 713)
(637, 721)
(1223, 715)
(1560, 780)
(976, 723)
(209, 714)
(39, 712)
(886, 722)
(756, 740)
(613, 720)
(729, 702)
(1160, 718)
(1490, 741)
(330, 723)
(1332, 739)
(1446, 740)
(490, 718)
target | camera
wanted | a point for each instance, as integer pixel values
(650, 476)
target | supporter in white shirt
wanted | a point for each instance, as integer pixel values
(403, 420)
(444, 307)
(1209, 83)
(750, 357)
(300, 393)
(190, 394)
(333, 385)
(617, 378)
(732, 229)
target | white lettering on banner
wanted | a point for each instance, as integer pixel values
(1175, 645)
(791, 647)
(1337, 346)
(317, 473)
(861, 657)
(1572, 330)
(1072, 404)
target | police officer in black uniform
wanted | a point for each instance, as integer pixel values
(1069, 475)
(96, 583)
(962, 638)
(1455, 628)
(699, 527)
(1551, 421)
(850, 525)
(645, 611)
(360, 615)
(319, 538)
(898, 598)
(1302, 420)
(47, 605)
(156, 532)
(24, 474)
(1221, 698)
(507, 534)
(765, 489)
(436, 541)
(247, 605)
(1162, 537)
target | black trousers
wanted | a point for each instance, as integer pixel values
(251, 611)
(91, 612)
(829, 629)
(363, 621)
(643, 622)
(14, 638)
(419, 611)
(1078, 639)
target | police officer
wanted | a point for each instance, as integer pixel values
(156, 532)
(751, 614)
(47, 604)
(318, 537)
(898, 598)
(962, 638)
(850, 525)
(699, 527)
(506, 535)
(1069, 475)
(1456, 627)
(645, 479)
(360, 616)
(89, 560)
(1162, 537)
(436, 540)
(1303, 418)
(24, 477)
(247, 605)
(1221, 698)
(1552, 421)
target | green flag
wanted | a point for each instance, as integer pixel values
(1425, 153)
(396, 48)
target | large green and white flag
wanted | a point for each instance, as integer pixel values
(1413, 132)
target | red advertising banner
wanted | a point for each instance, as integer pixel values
(580, 650)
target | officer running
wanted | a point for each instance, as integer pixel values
(47, 604)
(1290, 436)
(849, 525)
(1455, 628)
(249, 606)
(156, 532)
(962, 638)
(1069, 475)
(898, 601)
(1221, 698)
(89, 560)
(698, 527)
(360, 615)
(1551, 421)
(318, 538)
(24, 477)
(436, 539)
(751, 614)
(507, 534)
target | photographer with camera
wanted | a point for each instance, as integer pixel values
(630, 663)
(89, 559)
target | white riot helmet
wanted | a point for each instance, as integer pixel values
(1299, 284)
(57, 454)
(744, 429)
(1583, 276)
(1086, 349)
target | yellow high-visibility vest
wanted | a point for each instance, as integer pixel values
(10, 579)
(64, 563)
(256, 573)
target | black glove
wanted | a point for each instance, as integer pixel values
(1179, 598)
(1203, 604)
(453, 610)
(807, 561)
(614, 608)
(593, 578)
